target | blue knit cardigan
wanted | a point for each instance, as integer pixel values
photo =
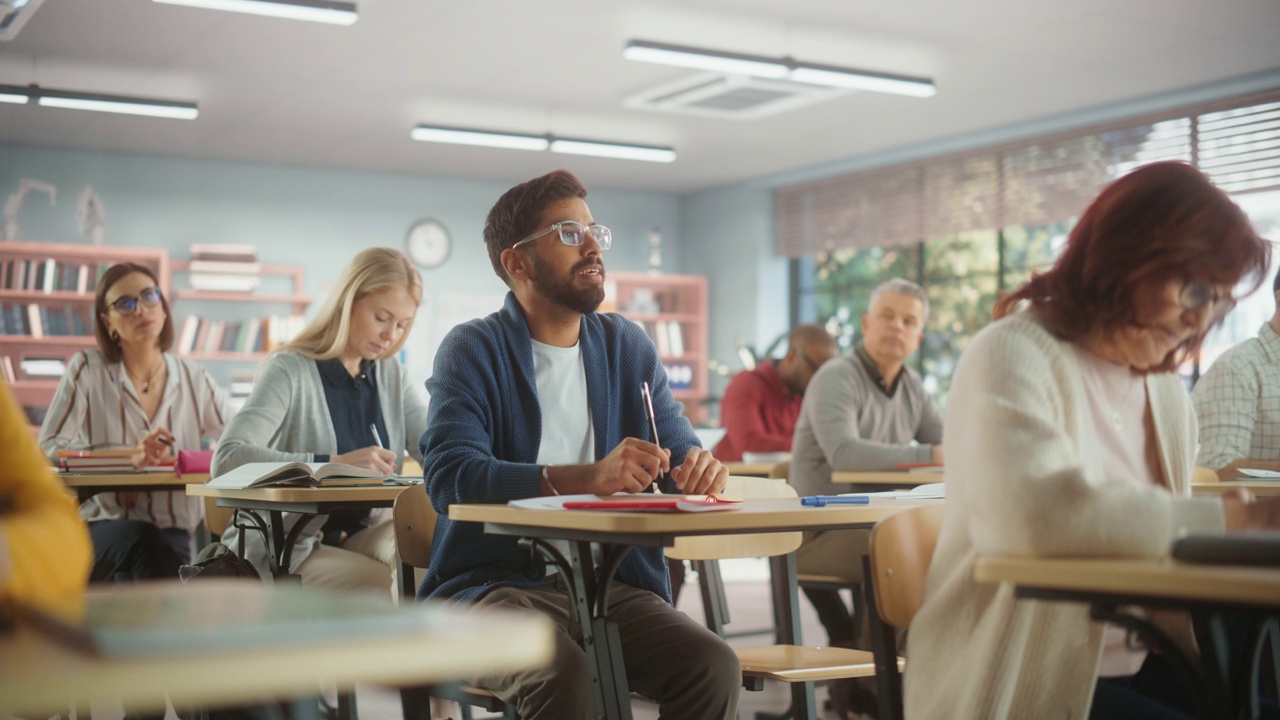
(484, 427)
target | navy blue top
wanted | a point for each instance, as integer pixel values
(484, 427)
(353, 405)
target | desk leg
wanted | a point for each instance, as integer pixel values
(786, 621)
(600, 638)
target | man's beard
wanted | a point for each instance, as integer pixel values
(562, 291)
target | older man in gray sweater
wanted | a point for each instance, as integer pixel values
(866, 411)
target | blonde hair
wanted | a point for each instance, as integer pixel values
(371, 271)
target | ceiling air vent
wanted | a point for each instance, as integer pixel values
(731, 96)
(14, 14)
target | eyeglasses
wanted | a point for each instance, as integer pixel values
(574, 233)
(128, 305)
(1198, 294)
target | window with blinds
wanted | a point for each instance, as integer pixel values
(1029, 183)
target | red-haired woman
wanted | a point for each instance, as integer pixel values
(1070, 434)
(131, 392)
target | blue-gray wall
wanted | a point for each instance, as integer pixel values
(311, 217)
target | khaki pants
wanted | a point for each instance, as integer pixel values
(838, 553)
(689, 670)
(364, 562)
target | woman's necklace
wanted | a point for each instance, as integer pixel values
(146, 384)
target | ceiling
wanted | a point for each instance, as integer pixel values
(282, 91)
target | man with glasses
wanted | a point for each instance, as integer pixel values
(867, 411)
(1238, 400)
(544, 398)
(760, 406)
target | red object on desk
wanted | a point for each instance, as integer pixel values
(686, 503)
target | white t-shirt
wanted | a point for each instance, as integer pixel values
(568, 437)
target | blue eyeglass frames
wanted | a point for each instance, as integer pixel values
(573, 233)
(128, 305)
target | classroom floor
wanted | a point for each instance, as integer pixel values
(747, 586)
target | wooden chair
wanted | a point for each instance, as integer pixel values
(216, 519)
(415, 526)
(1203, 475)
(783, 663)
(901, 548)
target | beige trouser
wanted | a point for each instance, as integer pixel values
(364, 562)
(833, 552)
(689, 670)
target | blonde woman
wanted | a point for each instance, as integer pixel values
(314, 401)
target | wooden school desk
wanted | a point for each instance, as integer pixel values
(406, 646)
(1257, 487)
(274, 501)
(750, 469)
(893, 478)
(1207, 591)
(618, 532)
(86, 485)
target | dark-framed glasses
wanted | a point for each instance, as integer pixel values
(574, 233)
(128, 305)
(1197, 295)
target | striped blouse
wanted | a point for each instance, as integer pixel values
(96, 407)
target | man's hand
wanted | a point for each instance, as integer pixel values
(700, 474)
(632, 466)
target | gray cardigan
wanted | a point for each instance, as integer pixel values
(286, 419)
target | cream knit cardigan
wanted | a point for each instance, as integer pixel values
(1024, 477)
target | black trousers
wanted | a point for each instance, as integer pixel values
(132, 550)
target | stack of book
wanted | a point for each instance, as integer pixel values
(105, 461)
(255, 335)
(224, 268)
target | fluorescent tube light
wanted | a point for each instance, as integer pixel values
(97, 101)
(863, 80)
(461, 136)
(517, 141)
(663, 54)
(647, 153)
(333, 12)
(778, 68)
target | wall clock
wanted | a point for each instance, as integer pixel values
(427, 243)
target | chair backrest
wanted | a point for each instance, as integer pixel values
(1203, 475)
(901, 547)
(415, 521)
(217, 518)
(781, 470)
(721, 547)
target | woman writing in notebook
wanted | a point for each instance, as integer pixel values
(131, 392)
(336, 393)
(1071, 434)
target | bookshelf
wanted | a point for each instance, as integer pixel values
(673, 311)
(246, 334)
(46, 299)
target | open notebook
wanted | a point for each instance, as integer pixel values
(263, 474)
(1258, 547)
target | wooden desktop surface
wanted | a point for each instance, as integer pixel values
(1257, 487)
(39, 676)
(1163, 578)
(292, 495)
(759, 515)
(896, 478)
(750, 469)
(133, 481)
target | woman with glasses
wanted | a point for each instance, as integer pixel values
(131, 392)
(1071, 434)
(336, 393)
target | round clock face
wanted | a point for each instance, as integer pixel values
(427, 243)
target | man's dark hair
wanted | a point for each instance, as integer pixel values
(515, 216)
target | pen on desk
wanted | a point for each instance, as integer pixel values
(377, 439)
(821, 500)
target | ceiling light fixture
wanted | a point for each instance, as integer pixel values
(778, 68)
(516, 141)
(124, 104)
(333, 12)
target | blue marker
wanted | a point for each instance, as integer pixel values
(821, 500)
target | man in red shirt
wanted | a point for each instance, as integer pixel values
(760, 406)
